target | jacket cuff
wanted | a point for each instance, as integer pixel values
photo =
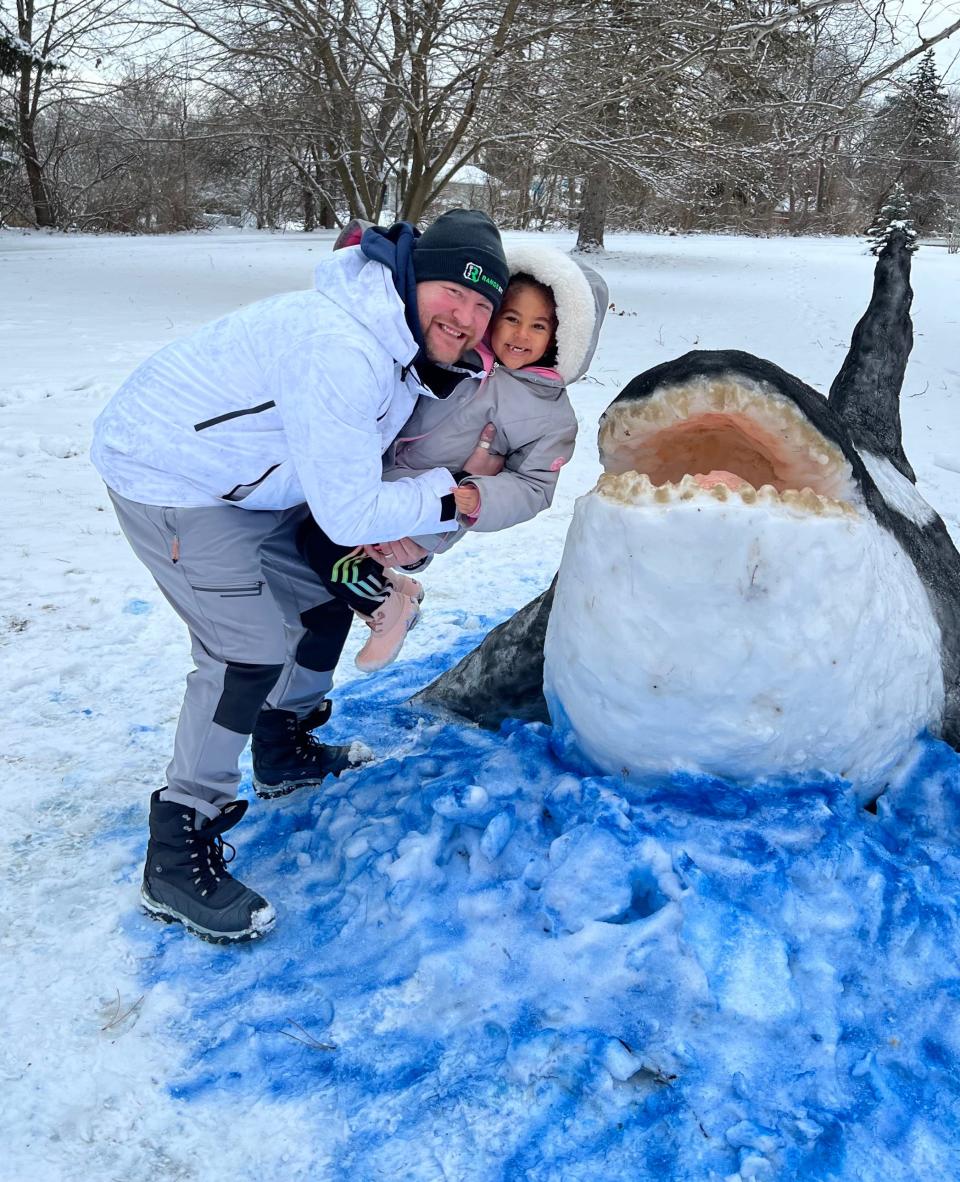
(413, 567)
(438, 480)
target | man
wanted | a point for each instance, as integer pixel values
(214, 451)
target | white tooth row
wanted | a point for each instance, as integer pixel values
(631, 488)
(715, 395)
(626, 429)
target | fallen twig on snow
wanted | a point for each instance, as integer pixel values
(308, 1040)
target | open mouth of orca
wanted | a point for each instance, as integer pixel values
(726, 438)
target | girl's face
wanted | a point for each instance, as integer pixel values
(524, 327)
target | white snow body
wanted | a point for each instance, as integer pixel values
(697, 631)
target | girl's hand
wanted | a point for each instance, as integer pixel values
(481, 462)
(399, 553)
(467, 497)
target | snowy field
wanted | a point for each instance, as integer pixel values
(487, 967)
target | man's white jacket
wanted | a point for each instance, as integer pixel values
(290, 399)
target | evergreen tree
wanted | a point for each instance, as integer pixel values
(894, 215)
(928, 152)
(12, 53)
(911, 143)
(931, 110)
(16, 58)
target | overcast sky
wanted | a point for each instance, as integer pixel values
(933, 16)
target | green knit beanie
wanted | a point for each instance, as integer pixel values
(463, 246)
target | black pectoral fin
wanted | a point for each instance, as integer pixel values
(503, 676)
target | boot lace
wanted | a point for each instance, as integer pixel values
(308, 748)
(211, 864)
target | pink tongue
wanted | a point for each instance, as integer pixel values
(719, 476)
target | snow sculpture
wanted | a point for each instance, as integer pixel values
(755, 586)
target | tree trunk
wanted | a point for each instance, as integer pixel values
(526, 179)
(39, 193)
(415, 200)
(824, 177)
(821, 197)
(593, 212)
(42, 205)
(328, 216)
(317, 209)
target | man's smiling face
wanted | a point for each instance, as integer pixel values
(453, 319)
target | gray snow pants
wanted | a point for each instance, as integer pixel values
(263, 630)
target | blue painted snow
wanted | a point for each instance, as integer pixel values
(136, 607)
(529, 972)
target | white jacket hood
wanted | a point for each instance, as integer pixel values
(581, 297)
(363, 292)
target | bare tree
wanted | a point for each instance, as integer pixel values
(63, 40)
(758, 93)
(396, 95)
(741, 113)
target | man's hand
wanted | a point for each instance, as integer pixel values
(402, 552)
(467, 497)
(481, 462)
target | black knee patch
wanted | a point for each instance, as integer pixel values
(327, 626)
(245, 689)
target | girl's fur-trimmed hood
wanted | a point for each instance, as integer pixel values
(581, 297)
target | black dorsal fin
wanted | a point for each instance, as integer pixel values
(866, 392)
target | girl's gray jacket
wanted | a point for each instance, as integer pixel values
(536, 425)
(290, 399)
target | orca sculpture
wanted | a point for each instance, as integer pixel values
(754, 587)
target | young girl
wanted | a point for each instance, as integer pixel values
(542, 338)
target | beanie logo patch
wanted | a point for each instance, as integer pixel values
(473, 273)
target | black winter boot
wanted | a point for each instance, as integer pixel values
(286, 756)
(185, 877)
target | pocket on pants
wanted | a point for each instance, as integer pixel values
(234, 591)
(238, 622)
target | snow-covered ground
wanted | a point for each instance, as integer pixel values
(487, 966)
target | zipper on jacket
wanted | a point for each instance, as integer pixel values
(234, 414)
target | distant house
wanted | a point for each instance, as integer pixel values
(470, 186)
